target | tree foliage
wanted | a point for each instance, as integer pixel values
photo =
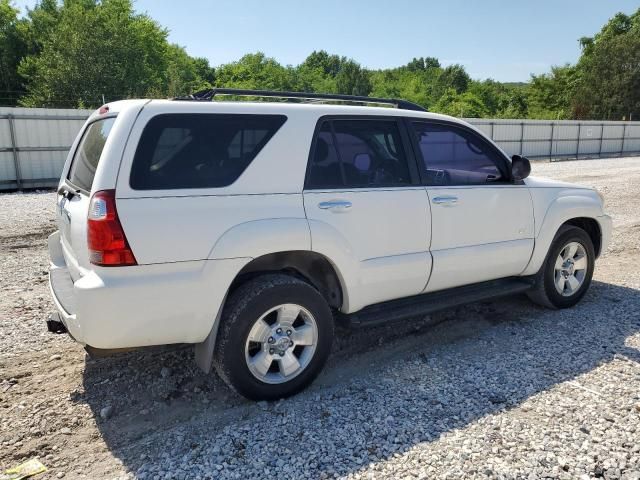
(11, 50)
(352, 79)
(551, 95)
(96, 49)
(77, 52)
(608, 83)
(465, 104)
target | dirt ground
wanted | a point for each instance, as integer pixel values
(135, 414)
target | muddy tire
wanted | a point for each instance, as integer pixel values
(275, 336)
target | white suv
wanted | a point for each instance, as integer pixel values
(248, 228)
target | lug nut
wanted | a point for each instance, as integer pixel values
(289, 332)
(279, 331)
(271, 350)
(271, 340)
(291, 343)
(282, 354)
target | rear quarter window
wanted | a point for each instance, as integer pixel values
(199, 150)
(87, 155)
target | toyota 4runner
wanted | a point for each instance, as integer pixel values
(249, 228)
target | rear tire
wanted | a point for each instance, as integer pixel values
(565, 275)
(274, 338)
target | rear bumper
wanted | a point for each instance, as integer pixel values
(125, 307)
(61, 287)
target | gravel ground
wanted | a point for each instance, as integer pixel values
(500, 389)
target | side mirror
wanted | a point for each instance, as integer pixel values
(520, 167)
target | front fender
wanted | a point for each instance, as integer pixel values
(561, 210)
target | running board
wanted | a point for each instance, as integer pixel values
(427, 303)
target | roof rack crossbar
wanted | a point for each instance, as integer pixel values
(208, 95)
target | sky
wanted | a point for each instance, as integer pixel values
(506, 40)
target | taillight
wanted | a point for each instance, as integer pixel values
(107, 242)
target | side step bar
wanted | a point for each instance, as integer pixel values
(427, 303)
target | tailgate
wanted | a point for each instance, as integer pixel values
(75, 191)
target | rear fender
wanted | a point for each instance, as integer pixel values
(330, 243)
(261, 237)
(252, 240)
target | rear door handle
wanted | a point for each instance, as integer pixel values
(448, 200)
(335, 205)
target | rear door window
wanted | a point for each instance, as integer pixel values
(199, 150)
(87, 155)
(358, 154)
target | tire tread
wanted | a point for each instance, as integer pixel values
(235, 306)
(538, 294)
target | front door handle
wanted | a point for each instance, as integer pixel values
(335, 205)
(448, 200)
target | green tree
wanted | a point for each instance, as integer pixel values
(205, 71)
(324, 62)
(551, 95)
(96, 48)
(318, 73)
(491, 94)
(416, 64)
(184, 74)
(619, 24)
(454, 76)
(324, 72)
(422, 64)
(467, 104)
(12, 49)
(39, 24)
(412, 85)
(352, 79)
(72, 52)
(514, 103)
(254, 71)
(431, 62)
(609, 71)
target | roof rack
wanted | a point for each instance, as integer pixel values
(208, 95)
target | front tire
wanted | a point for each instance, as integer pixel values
(565, 275)
(275, 336)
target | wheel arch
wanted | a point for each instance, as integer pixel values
(309, 266)
(592, 227)
(575, 209)
(312, 267)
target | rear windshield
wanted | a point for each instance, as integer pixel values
(199, 150)
(85, 160)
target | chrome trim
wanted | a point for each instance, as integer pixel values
(335, 205)
(446, 200)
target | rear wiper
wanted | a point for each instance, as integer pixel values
(67, 193)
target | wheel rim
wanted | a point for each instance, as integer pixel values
(570, 269)
(281, 343)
